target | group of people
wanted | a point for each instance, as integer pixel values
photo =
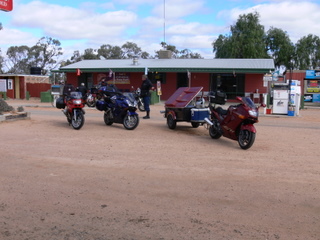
(145, 94)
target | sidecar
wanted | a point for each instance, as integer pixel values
(186, 105)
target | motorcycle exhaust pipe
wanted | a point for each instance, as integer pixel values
(208, 121)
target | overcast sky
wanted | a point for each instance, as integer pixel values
(190, 24)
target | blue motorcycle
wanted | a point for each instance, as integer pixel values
(118, 108)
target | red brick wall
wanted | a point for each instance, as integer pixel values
(254, 82)
(35, 89)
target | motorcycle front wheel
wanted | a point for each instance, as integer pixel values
(108, 119)
(78, 120)
(130, 122)
(91, 101)
(214, 130)
(246, 139)
(141, 107)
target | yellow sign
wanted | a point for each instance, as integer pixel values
(159, 92)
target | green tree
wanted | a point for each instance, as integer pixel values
(1, 62)
(185, 53)
(89, 53)
(76, 57)
(110, 52)
(45, 54)
(246, 39)
(130, 50)
(308, 52)
(17, 60)
(279, 46)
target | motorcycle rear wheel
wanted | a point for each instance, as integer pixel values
(130, 122)
(108, 119)
(78, 122)
(141, 107)
(91, 102)
(246, 139)
(214, 130)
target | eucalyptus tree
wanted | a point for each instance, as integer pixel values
(280, 47)
(308, 52)
(246, 39)
(17, 60)
(45, 54)
(176, 53)
(108, 51)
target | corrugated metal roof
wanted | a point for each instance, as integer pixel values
(173, 65)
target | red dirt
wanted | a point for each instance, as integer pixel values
(105, 182)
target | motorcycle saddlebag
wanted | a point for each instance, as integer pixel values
(60, 103)
(218, 97)
(101, 105)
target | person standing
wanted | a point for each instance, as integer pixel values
(146, 85)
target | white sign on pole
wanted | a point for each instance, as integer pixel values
(3, 85)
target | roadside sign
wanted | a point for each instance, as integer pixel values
(6, 5)
(3, 85)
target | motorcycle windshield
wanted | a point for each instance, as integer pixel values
(129, 96)
(76, 95)
(247, 101)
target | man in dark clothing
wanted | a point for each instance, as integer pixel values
(145, 94)
(82, 88)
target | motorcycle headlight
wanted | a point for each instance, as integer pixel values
(253, 113)
(130, 104)
(78, 101)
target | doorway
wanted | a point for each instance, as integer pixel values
(87, 79)
(182, 80)
(232, 85)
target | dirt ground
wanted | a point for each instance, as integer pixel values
(105, 182)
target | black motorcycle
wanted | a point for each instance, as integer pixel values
(91, 97)
(136, 94)
(118, 108)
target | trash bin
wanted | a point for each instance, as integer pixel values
(27, 95)
(154, 98)
(46, 97)
(3, 95)
(291, 111)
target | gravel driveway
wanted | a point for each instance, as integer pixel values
(105, 182)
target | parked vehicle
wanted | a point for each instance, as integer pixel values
(92, 97)
(236, 122)
(118, 108)
(136, 94)
(186, 105)
(72, 105)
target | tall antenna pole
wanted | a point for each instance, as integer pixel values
(164, 21)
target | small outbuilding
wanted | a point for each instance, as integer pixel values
(22, 86)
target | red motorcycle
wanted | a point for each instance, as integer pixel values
(73, 108)
(236, 122)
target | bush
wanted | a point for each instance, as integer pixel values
(4, 107)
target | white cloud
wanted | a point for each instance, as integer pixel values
(175, 9)
(69, 23)
(14, 37)
(193, 28)
(298, 19)
(142, 21)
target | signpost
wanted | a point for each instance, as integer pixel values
(6, 5)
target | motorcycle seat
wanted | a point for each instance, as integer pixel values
(221, 111)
